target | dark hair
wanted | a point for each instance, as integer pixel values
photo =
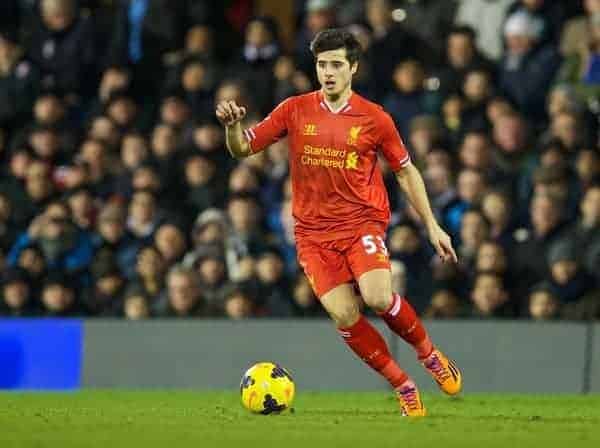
(552, 144)
(410, 224)
(496, 275)
(465, 30)
(479, 211)
(334, 39)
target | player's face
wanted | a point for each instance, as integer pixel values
(335, 72)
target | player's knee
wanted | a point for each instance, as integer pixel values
(345, 315)
(377, 296)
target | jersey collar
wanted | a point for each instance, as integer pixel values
(344, 108)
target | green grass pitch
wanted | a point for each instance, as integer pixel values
(176, 419)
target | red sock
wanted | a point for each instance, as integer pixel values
(402, 320)
(364, 340)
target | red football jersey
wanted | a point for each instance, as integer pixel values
(336, 183)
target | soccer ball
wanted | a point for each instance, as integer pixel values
(267, 388)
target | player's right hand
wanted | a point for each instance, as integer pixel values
(230, 113)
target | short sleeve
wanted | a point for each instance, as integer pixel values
(271, 129)
(391, 144)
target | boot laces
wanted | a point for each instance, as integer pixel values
(435, 365)
(410, 398)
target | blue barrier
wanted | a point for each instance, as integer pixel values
(40, 354)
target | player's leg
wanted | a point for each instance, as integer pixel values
(370, 265)
(363, 339)
(329, 276)
(376, 290)
(400, 316)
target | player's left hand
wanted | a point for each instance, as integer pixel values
(442, 243)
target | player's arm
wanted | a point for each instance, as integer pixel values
(243, 143)
(411, 183)
(230, 115)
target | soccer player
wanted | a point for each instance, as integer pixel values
(341, 209)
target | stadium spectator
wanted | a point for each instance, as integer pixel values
(62, 46)
(477, 90)
(238, 305)
(182, 297)
(409, 97)
(136, 306)
(512, 153)
(575, 31)
(246, 235)
(144, 215)
(496, 208)
(112, 234)
(170, 241)
(546, 225)
(587, 168)
(58, 296)
(562, 98)
(98, 163)
(462, 57)
(390, 37)
(16, 294)
(19, 82)
(149, 277)
(288, 79)
(550, 14)
(471, 185)
(104, 297)
(32, 260)
(273, 292)
(474, 230)
(211, 271)
(585, 231)
(487, 19)
(430, 20)
(65, 247)
(105, 130)
(147, 177)
(491, 257)
(425, 134)
(254, 66)
(197, 82)
(144, 31)
(580, 69)
(567, 279)
(200, 41)
(444, 305)
(115, 78)
(476, 153)
(83, 210)
(543, 303)
(174, 109)
(529, 65)
(440, 186)
(210, 230)
(490, 297)
(203, 186)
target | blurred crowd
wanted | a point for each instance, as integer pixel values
(119, 199)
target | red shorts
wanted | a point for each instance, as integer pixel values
(332, 263)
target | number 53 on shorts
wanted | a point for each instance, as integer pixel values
(375, 244)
